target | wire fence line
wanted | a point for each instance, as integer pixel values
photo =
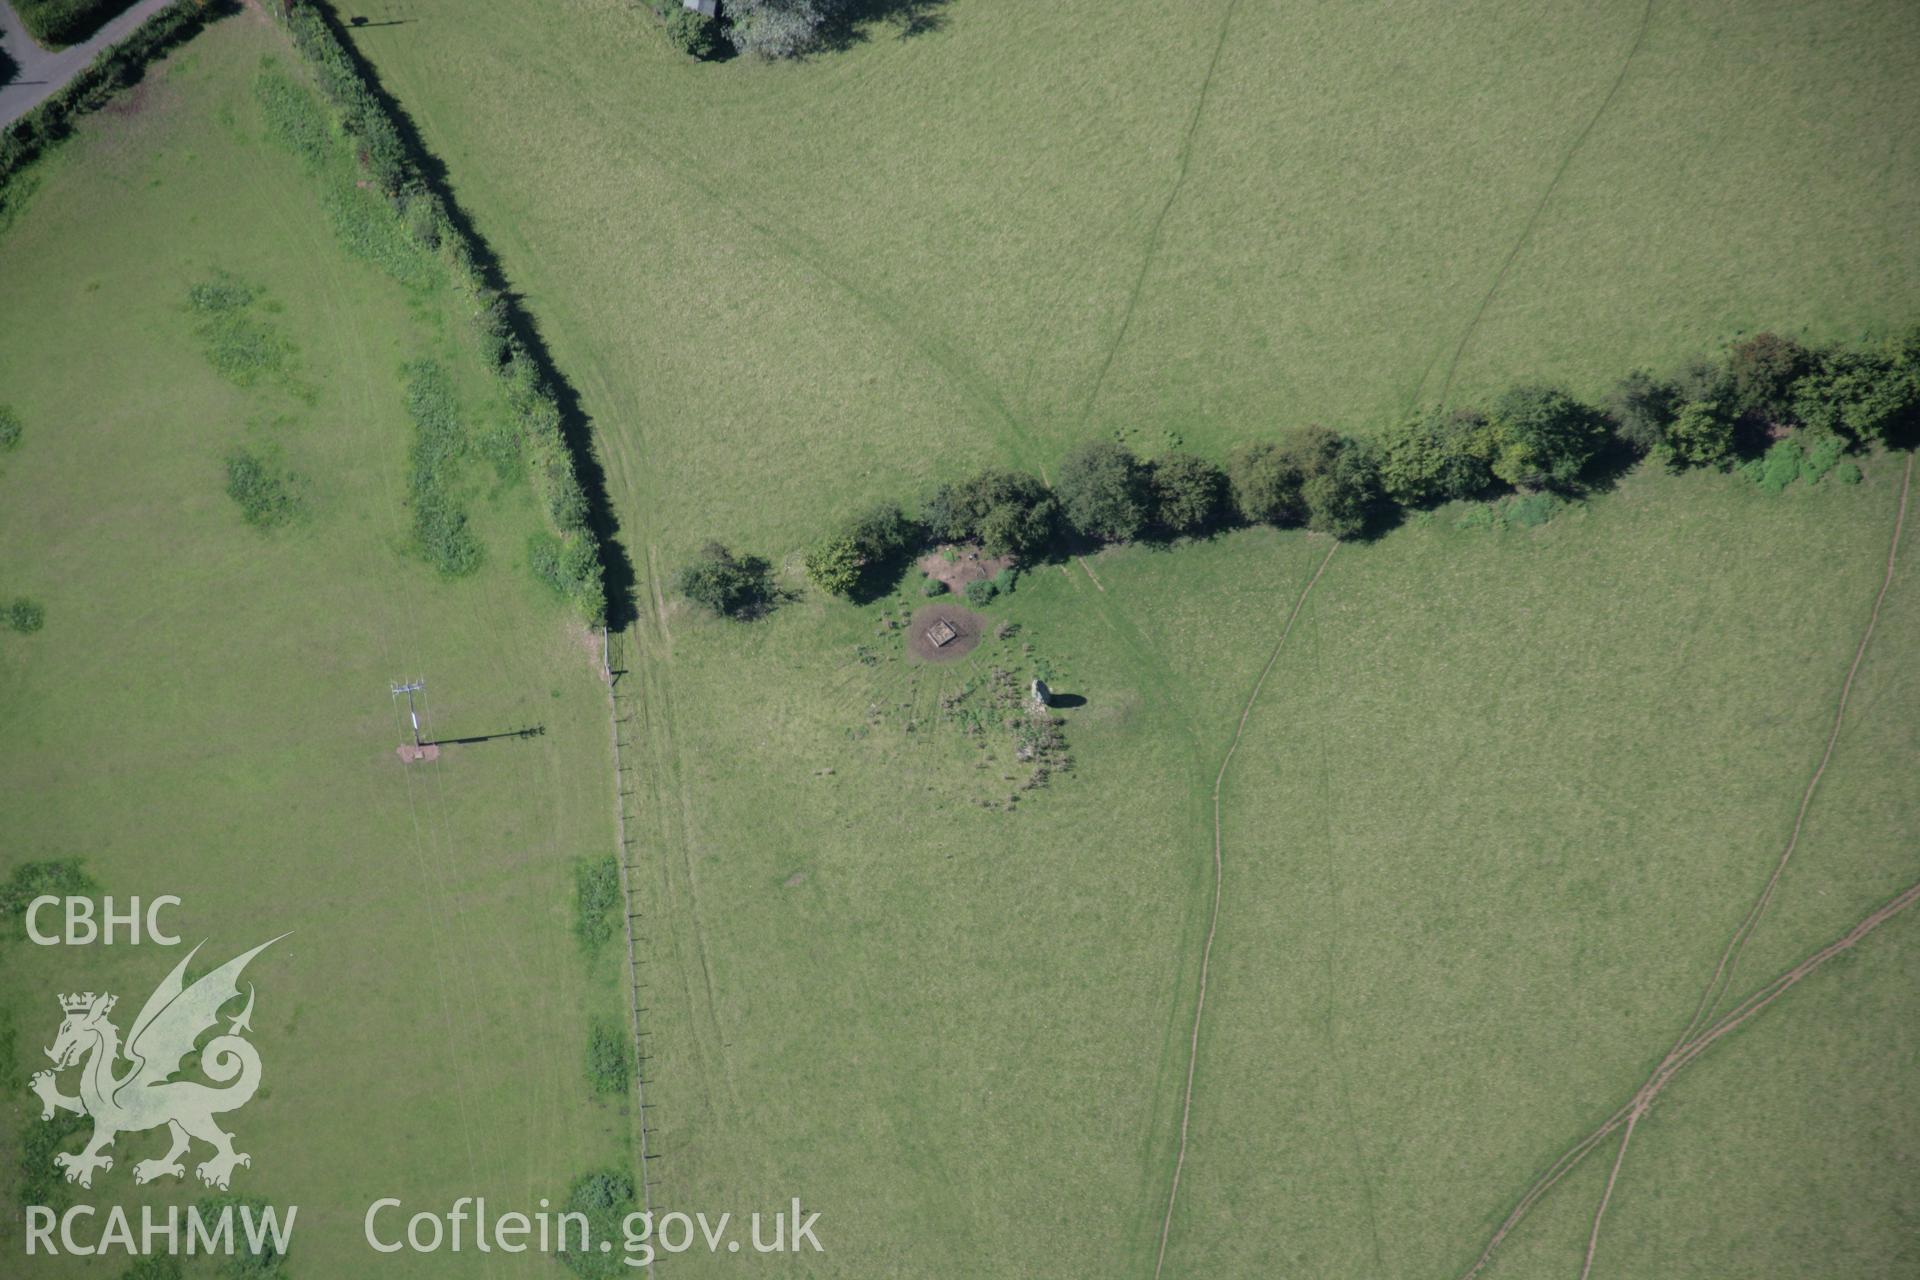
(612, 668)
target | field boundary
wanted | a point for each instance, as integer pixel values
(591, 568)
(611, 674)
(587, 564)
(1213, 919)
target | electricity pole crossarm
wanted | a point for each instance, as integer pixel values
(409, 688)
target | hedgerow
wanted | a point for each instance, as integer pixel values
(1793, 412)
(405, 225)
(64, 22)
(114, 69)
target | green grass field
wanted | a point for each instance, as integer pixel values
(206, 711)
(1507, 792)
(1504, 796)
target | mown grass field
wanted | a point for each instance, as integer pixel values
(206, 711)
(1507, 792)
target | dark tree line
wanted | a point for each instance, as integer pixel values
(1537, 438)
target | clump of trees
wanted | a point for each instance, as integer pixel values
(1761, 373)
(1437, 455)
(1104, 491)
(855, 560)
(726, 584)
(596, 894)
(984, 590)
(1542, 437)
(692, 33)
(604, 1199)
(1188, 493)
(783, 28)
(1311, 476)
(1768, 388)
(787, 28)
(55, 23)
(1006, 512)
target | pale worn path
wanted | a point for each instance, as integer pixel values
(40, 73)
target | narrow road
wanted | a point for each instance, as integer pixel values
(38, 73)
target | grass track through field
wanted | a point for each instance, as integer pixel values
(1330, 1018)
(1693, 1049)
(1723, 973)
(1693, 1041)
(1540, 207)
(1213, 918)
(1730, 958)
(1160, 219)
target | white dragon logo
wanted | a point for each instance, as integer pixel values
(145, 1097)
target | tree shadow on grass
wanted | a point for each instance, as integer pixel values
(882, 578)
(856, 21)
(1615, 460)
(576, 428)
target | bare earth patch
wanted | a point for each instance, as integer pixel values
(410, 753)
(925, 631)
(967, 565)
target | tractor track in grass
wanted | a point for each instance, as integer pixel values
(1341, 1074)
(1699, 1044)
(1152, 250)
(1546, 196)
(1724, 971)
(1213, 918)
(1693, 1041)
(1730, 959)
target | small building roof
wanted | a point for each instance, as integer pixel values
(941, 633)
(705, 8)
